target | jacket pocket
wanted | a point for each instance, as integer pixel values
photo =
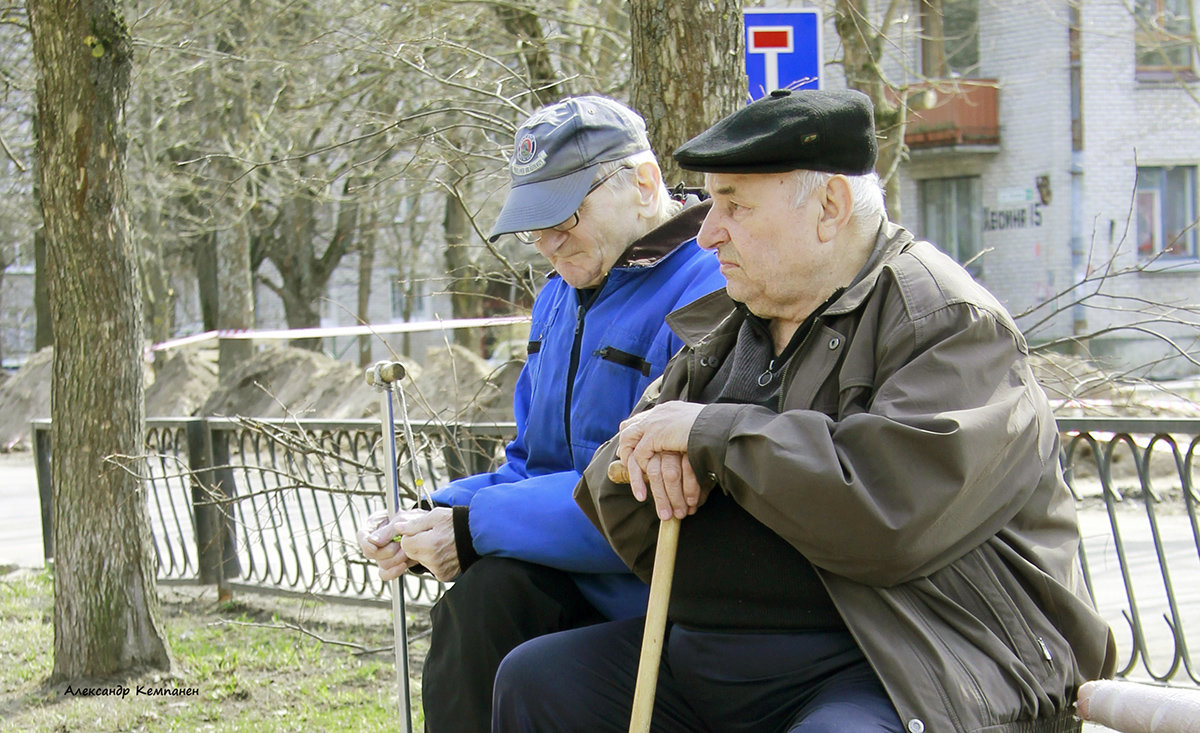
(624, 358)
(814, 384)
(613, 372)
(975, 584)
(541, 343)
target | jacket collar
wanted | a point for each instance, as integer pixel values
(694, 322)
(654, 246)
(716, 314)
(663, 239)
(890, 239)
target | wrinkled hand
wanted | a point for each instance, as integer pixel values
(653, 447)
(429, 540)
(376, 540)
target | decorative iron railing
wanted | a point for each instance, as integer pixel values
(1134, 483)
(273, 505)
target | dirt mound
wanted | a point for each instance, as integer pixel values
(1066, 377)
(453, 384)
(25, 396)
(289, 382)
(1079, 388)
(181, 384)
(456, 385)
(182, 381)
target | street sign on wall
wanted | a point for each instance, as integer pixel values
(783, 49)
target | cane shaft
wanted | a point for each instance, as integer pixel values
(396, 586)
(656, 626)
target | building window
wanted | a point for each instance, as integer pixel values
(949, 38)
(950, 218)
(1165, 36)
(1166, 211)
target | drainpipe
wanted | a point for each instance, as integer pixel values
(1078, 250)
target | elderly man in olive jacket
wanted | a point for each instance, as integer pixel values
(875, 535)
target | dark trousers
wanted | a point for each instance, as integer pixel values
(583, 681)
(495, 605)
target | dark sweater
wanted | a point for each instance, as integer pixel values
(731, 571)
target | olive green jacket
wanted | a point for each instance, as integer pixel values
(914, 460)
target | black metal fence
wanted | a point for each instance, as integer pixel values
(274, 505)
(1134, 483)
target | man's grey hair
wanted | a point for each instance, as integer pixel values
(868, 207)
(666, 206)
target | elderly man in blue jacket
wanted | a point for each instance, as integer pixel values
(587, 191)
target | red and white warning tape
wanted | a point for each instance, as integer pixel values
(300, 333)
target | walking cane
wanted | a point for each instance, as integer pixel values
(656, 613)
(382, 376)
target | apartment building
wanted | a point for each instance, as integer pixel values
(1053, 148)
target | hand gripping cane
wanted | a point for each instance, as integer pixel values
(656, 613)
(382, 376)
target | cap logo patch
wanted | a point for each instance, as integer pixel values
(809, 138)
(527, 158)
(526, 149)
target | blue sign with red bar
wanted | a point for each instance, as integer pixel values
(783, 49)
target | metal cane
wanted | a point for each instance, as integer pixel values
(382, 376)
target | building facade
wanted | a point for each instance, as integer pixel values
(1053, 148)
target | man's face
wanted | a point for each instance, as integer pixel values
(608, 224)
(769, 251)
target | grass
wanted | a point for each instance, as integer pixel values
(246, 663)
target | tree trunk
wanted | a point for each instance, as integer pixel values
(204, 259)
(304, 276)
(366, 268)
(225, 118)
(466, 286)
(293, 254)
(526, 29)
(44, 336)
(689, 70)
(862, 48)
(1, 311)
(933, 31)
(106, 609)
(160, 297)
(235, 297)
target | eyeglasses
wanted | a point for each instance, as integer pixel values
(535, 236)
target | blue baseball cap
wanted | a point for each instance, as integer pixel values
(555, 156)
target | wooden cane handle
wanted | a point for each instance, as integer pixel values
(656, 626)
(617, 473)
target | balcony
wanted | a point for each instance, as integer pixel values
(953, 114)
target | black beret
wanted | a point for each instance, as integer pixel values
(810, 129)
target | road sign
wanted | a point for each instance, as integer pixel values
(783, 49)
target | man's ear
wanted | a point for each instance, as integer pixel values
(649, 184)
(835, 208)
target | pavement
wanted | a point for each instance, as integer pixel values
(21, 517)
(21, 545)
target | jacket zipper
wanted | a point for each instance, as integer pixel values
(573, 365)
(783, 376)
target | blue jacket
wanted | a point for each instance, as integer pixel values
(590, 359)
